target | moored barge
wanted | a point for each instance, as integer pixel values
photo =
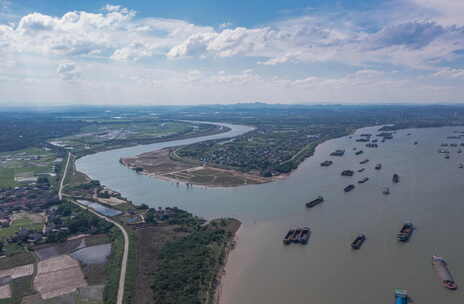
(358, 241)
(326, 163)
(401, 296)
(288, 236)
(441, 268)
(405, 232)
(315, 202)
(304, 236)
(348, 188)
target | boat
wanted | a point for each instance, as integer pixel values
(326, 163)
(405, 232)
(461, 166)
(364, 161)
(287, 237)
(296, 235)
(441, 268)
(304, 236)
(396, 178)
(415, 143)
(358, 241)
(359, 152)
(386, 191)
(401, 296)
(362, 181)
(447, 156)
(459, 151)
(315, 202)
(349, 188)
(361, 170)
(378, 167)
(347, 173)
(338, 153)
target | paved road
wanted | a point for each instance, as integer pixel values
(122, 277)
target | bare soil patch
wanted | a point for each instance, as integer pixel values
(160, 164)
(5, 291)
(18, 272)
(58, 276)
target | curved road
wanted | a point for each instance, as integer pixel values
(122, 277)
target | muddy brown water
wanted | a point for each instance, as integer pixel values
(326, 271)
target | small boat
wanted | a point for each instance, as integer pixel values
(415, 142)
(338, 153)
(461, 166)
(358, 241)
(304, 236)
(378, 167)
(405, 232)
(326, 163)
(459, 151)
(447, 156)
(349, 188)
(361, 170)
(401, 296)
(441, 268)
(386, 191)
(396, 178)
(364, 161)
(362, 181)
(315, 202)
(347, 173)
(287, 237)
(359, 152)
(295, 237)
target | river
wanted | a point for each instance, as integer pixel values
(261, 270)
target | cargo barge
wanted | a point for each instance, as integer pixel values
(348, 188)
(326, 163)
(304, 236)
(288, 236)
(401, 296)
(315, 202)
(358, 241)
(405, 232)
(298, 235)
(441, 268)
(347, 173)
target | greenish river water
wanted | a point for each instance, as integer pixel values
(261, 270)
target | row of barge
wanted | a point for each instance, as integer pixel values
(297, 236)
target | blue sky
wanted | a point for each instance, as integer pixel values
(191, 52)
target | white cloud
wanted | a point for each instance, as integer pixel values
(68, 71)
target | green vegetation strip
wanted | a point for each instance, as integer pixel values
(131, 270)
(113, 267)
(188, 268)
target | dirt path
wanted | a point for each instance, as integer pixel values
(122, 278)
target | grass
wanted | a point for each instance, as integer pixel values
(17, 225)
(10, 169)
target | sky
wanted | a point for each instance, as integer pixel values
(62, 52)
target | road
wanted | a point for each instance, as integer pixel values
(122, 277)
